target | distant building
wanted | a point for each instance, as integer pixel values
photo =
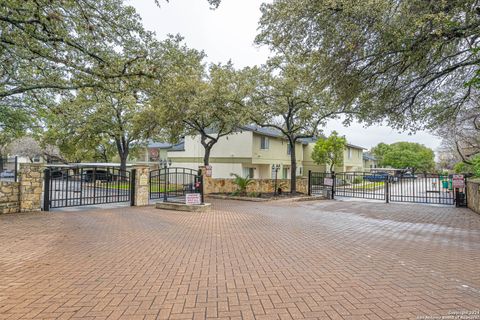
(250, 152)
(369, 161)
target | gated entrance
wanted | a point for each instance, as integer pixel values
(73, 186)
(174, 184)
(421, 188)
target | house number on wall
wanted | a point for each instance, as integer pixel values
(143, 180)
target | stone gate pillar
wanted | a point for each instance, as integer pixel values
(31, 187)
(142, 186)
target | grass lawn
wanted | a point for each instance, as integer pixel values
(123, 185)
(369, 185)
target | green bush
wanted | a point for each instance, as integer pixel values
(358, 180)
(476, 165)
(241, 183)
(473, 168)
(461, 167)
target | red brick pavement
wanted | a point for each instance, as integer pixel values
(322, 260)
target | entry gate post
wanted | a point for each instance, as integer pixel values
(165, 196)
(334, 178)
(201, 189)
(387, 190)
(46, 191)
(133, 175)
(309, 182)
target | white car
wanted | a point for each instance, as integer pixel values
(7, 174)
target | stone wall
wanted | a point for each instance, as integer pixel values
(212, 185)
(25, 195)
(9, 197)
(473, 195)
(141, 186)
(31, 187)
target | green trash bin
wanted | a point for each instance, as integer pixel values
(445, 184)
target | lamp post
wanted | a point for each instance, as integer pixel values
(275, 168)
(165, 163)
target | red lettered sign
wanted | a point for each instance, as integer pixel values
(458, 181)
(193, 198)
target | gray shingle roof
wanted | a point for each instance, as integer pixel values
(160, 145)
(368, 156)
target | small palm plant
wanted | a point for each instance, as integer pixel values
(241, 183)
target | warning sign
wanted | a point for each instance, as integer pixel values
(193, 198)
(458, 181)
(328, 182)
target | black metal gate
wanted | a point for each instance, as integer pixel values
(421, 188)
(173, 184)
(83, 186)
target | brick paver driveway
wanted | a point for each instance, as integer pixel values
(327, 260)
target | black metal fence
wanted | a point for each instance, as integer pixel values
(361, 185)
(173, 184)
(320, 183)
(9, 169)
(72, 187)
(421, 188)
(424, 188)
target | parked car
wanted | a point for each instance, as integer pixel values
(408, 175)
(57, 174)
(380, 176)
(7, 174)
(97, 175)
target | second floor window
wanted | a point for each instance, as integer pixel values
(264, 143)
(349, 151)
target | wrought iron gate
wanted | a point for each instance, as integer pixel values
(421, 188)
(83, 186)
(173, 184)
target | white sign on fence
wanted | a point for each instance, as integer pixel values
(208, 170)
(193, 198)
(458, 181)
(328, 181)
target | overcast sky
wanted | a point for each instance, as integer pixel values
(228, 33)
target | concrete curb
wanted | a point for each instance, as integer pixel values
(182, 206)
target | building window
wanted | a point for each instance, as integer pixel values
(289, 149)
(248, 173)
(285, 173)
(264, 143)
(349, 152)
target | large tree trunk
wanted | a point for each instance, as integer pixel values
(293, 168)
(208, 149)
(123, 151)
(206, 157)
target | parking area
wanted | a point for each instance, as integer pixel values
(242, 260)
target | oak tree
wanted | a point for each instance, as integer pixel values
(289, 98)
(413, 63)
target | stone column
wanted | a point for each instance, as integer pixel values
(31, 187)
(208, 183)
(142, 186)
(9, 197)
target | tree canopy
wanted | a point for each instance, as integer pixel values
(286, 96)
(405, 155)
(330, 150)
(209, 102)
(121, 112)
(415, 61)
(55, 47)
